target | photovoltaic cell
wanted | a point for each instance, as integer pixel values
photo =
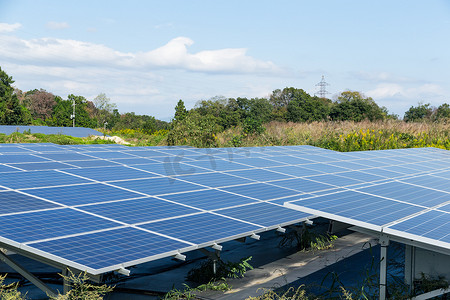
(215, 179)
(83, 194)
(109, 248)
(157, 186)
(261, 191)
(139, 210)
(209, 199)
(13, 202)
(51, 165)
(32, 179)
(263, 214)
(47, 224)
(202, 228)
(111, 173)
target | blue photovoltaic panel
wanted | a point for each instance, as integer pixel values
(408, 193)
(193, 207)
(93, 163)
(146, 153)
(215, 179)
(296, 171)
(325, 168)
(335, 180)
(302, 185)
(360, 207)
(50, 165)
(139, 210)
(434, 225)
(83, 194)
(263, 214)
(110, 248)
(157, 186)
(209, 199)
(4, 168)
(171, 169)
(111, 173)
(258, 162)
(20, 158)
(133, 161)
(32, 179)
(291, 160)
(47, 224)
(384, 173)
(262, 175)
(430, 181)
(65, 156)
(362, 176)
(202, 228)
(12, 202)
(218, 165)
(13, 149)
(110, 154)
(261, 191)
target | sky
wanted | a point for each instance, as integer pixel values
(146, 55)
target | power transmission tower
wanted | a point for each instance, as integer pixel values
(322, 88)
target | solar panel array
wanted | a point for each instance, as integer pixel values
(72, 131)
(102, 207)
(407, 194)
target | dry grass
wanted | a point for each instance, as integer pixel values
(344, 136)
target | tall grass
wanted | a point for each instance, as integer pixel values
(345, 136)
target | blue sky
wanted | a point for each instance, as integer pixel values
(146, 55)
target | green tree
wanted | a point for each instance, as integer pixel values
(195, 129)
(442, 113)
(180, 111)
(304, 108)
(354, 106)
(421, 112)
(11, 112)
(104, 108)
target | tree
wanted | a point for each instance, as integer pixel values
(418, 113)
(304, 108)
(11, 112)
(180, 111)
(103, 109)
(354, 106)
(442, 113)
(41, 103)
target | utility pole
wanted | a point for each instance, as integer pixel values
(322, 88)
(73, 114)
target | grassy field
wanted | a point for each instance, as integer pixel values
(344, 136)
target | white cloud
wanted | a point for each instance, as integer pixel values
(390, 90)
(175, 54)
(57, 25)
(5, 27)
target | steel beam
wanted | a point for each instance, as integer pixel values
(25, 273)
(384, 243)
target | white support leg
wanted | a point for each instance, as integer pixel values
(22, 271)
(384, 243)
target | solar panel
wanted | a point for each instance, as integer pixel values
(208, 199)
(103, 207)
(202, 228)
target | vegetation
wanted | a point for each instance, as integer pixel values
(224, 269)
(9, 291)
(191, 293)
(82, 289)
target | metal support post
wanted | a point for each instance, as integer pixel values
(66, 285)
(384, 243)
(30, 277)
